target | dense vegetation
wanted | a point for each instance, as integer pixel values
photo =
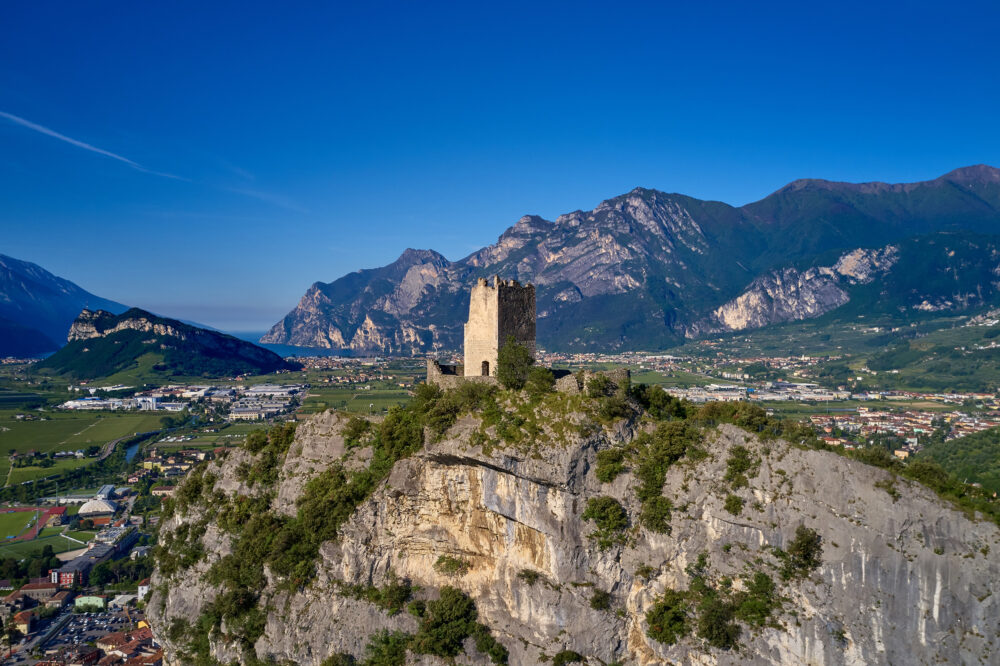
(713, 607)
(972, 458)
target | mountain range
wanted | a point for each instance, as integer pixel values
(649, 269)
(37, 308)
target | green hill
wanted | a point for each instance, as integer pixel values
(102, 344)
(974, 458)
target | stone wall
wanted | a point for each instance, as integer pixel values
(451, 376)
(576, 382)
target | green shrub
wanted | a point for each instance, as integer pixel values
(610, 463)
(715, 622)
(566, 657)
(599, 386)
(446, 565)
(738, 465)
(612, 408)
(447, 622)
(513, 364)
(391, 597)
(600, 600)
(658, 403)
(803, 553)
(539, 382)
(339, 659)
(656, 452)
(488, 645)
(734, 504)
(667, 620)
(655, 514)
(757, 603)
(356, 428)
(529, 576)
(644, 571)
(387, 649)
(610, 518)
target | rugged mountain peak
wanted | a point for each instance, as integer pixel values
(528, 225)
(412, 257)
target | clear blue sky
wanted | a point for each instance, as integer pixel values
(211, 160)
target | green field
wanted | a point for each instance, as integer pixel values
(15, 522)
(59, 544)
(69, 431)
(376, 400)
(30, 473)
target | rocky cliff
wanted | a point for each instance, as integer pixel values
(649, 269)
(520, 526)
(101, 343)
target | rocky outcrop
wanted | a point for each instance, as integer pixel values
(903, 579)
(790, 294)
(116, 342)
(648, 269)
(96, 324)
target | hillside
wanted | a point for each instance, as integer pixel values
(33, 298)
(649, 269)
(974, 458)
(101, 344)
(502, 527)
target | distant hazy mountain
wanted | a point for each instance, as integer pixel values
(102, 344)
(33, 299)
(649, 269)
(21, 341)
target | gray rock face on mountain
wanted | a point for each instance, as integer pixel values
(789, 294)
(647, 269)
(900, 582)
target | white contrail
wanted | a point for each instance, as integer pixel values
(80, 144)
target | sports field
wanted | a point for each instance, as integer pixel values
(59, 543)
(13, 523)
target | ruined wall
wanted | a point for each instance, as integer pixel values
(576, 383)
(496, 311)
(452, 376)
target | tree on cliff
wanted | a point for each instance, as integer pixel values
(514, 361)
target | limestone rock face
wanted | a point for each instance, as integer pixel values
(900, 582)
(789, 294)
(96, 324)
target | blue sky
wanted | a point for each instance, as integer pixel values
(211, 162)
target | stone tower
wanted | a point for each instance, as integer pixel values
(496, 311)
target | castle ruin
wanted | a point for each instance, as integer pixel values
(498, 309)
(497, 312)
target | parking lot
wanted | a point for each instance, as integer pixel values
(80, 629)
